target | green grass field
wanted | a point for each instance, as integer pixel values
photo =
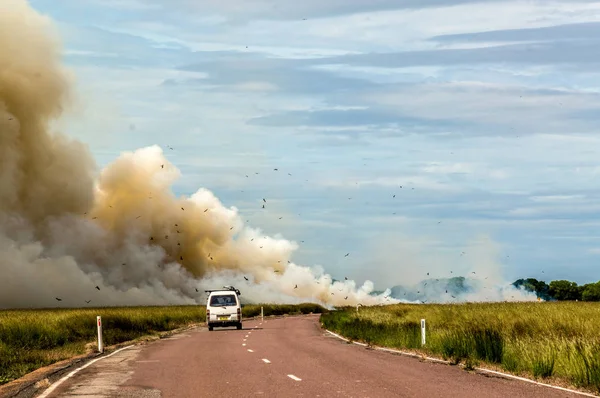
(555, 340)
(30, 339)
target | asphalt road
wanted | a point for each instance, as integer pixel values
(287, 357)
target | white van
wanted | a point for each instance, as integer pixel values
(223, 308)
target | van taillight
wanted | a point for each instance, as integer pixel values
(239, 311)
(207, 315)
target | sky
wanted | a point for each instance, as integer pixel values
(401, 132)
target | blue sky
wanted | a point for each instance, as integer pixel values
(486, 113)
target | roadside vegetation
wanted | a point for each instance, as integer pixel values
(557, 341)
(30, 339)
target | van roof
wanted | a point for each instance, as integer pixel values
(224, 289)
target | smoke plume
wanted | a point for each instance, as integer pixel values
(70, 234)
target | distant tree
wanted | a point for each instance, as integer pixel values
(564, 290)
(591, 292)
(540, 288)
(523, 283)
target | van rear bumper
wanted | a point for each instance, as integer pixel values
(230, 322)
(219, 324)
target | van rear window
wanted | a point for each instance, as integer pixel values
(223, 300)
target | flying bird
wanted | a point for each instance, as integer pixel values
(98, 287)
(245, 278)
(347, 254)
(88, 301)
(296, 287)
(58, 299)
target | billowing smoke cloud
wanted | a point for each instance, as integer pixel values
(69, 234)
(120, 237)
(468, 273)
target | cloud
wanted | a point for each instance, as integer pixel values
(266, 9)
(567, 32)
(580, 55)
(356, 118)
(233, 69)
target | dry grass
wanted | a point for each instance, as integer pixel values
(559, 340)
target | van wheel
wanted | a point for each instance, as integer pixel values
(210, 328)
(239, 326)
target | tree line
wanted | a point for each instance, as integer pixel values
(560, 290)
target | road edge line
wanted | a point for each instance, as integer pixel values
(495, 372)
(57, 383)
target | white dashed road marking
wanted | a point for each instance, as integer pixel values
(244, 345)
(294, 378)
(249, 350)
(266, 360)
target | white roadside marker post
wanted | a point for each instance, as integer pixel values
(262, 315)
(422, 331)
(100, 343)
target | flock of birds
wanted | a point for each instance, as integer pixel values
(264, 206)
